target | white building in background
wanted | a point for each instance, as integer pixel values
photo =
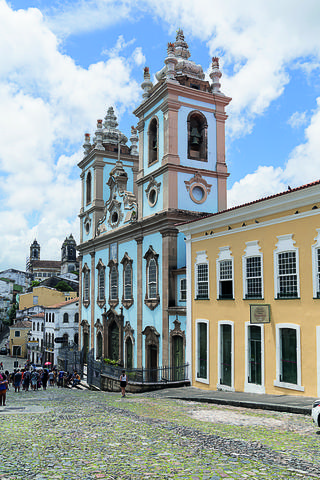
(61, 322)
(19, 277)
(35, 346)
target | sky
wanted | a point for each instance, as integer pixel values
(63, 63)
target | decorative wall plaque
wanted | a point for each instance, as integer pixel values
(259, 313)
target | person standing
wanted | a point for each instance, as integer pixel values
(44, 378)
(17, 380)
(123, 383)
(3, 389)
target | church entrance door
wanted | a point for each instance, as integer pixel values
(177, 357)
(152, 362)
(129, 353)
(85, 347)
(114, 342)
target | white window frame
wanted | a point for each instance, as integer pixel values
(285, 245)
(220, 386)
(201, 259)
(277, 382)
(198, 379)
(252, 250)
(184, 279)
(224, 254)
(315, 273)
(251, 387)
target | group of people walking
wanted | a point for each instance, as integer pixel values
(35, 379)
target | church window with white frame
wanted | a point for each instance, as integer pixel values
(101, 284)
(86, 285)
(114, 283)
(152, 297)
(286, 265)
(252, 271)
(202, 276)
(225, 275)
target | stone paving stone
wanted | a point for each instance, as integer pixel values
(89, 435)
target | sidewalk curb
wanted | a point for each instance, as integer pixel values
(247, 404)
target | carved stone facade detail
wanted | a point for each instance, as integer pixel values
(152, 191)
(198, 188)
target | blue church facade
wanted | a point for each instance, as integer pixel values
(132, 256)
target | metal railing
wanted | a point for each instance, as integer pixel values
(160, 375)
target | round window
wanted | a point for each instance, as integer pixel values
(153, 196)
(198, 194)
(114, 217)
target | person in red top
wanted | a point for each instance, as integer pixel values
(3, 389)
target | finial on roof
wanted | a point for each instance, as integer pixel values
(146, 85)
(170, 62)
(87, 145)
(98, 138)
(111, 134)
(215, 75)
(134, 140)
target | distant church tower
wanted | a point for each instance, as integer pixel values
(69, 255)
(35, 251)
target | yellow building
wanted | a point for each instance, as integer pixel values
(253, 313)
(18, 339)
(44, 296)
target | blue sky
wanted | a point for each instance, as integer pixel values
(63, 64)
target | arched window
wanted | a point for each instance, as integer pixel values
(152, 297)
(65, 337)
(65, 318)
(197, 136)
(52, 317)
(127, 294)
(86, 285)
(49, 317)
(88, 188)
(76, 338)
(76, 317)
(41, 327)
(101, 299)
(38, 326)
(114, 283)
(152, 279)
(153, 141)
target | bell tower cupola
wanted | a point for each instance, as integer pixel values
(182, 136)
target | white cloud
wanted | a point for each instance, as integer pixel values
(263, 182)
(298, 119)
(47, 103)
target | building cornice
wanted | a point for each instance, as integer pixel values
(282, 202)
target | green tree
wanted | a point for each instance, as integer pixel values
(12, 313)
(63, 286)
(35, 283)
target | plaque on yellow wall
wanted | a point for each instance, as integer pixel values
(259, 313)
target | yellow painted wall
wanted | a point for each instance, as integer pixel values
(304, 311)
(19, 341)
(46, 297)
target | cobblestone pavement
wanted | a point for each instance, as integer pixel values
(71, 434)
